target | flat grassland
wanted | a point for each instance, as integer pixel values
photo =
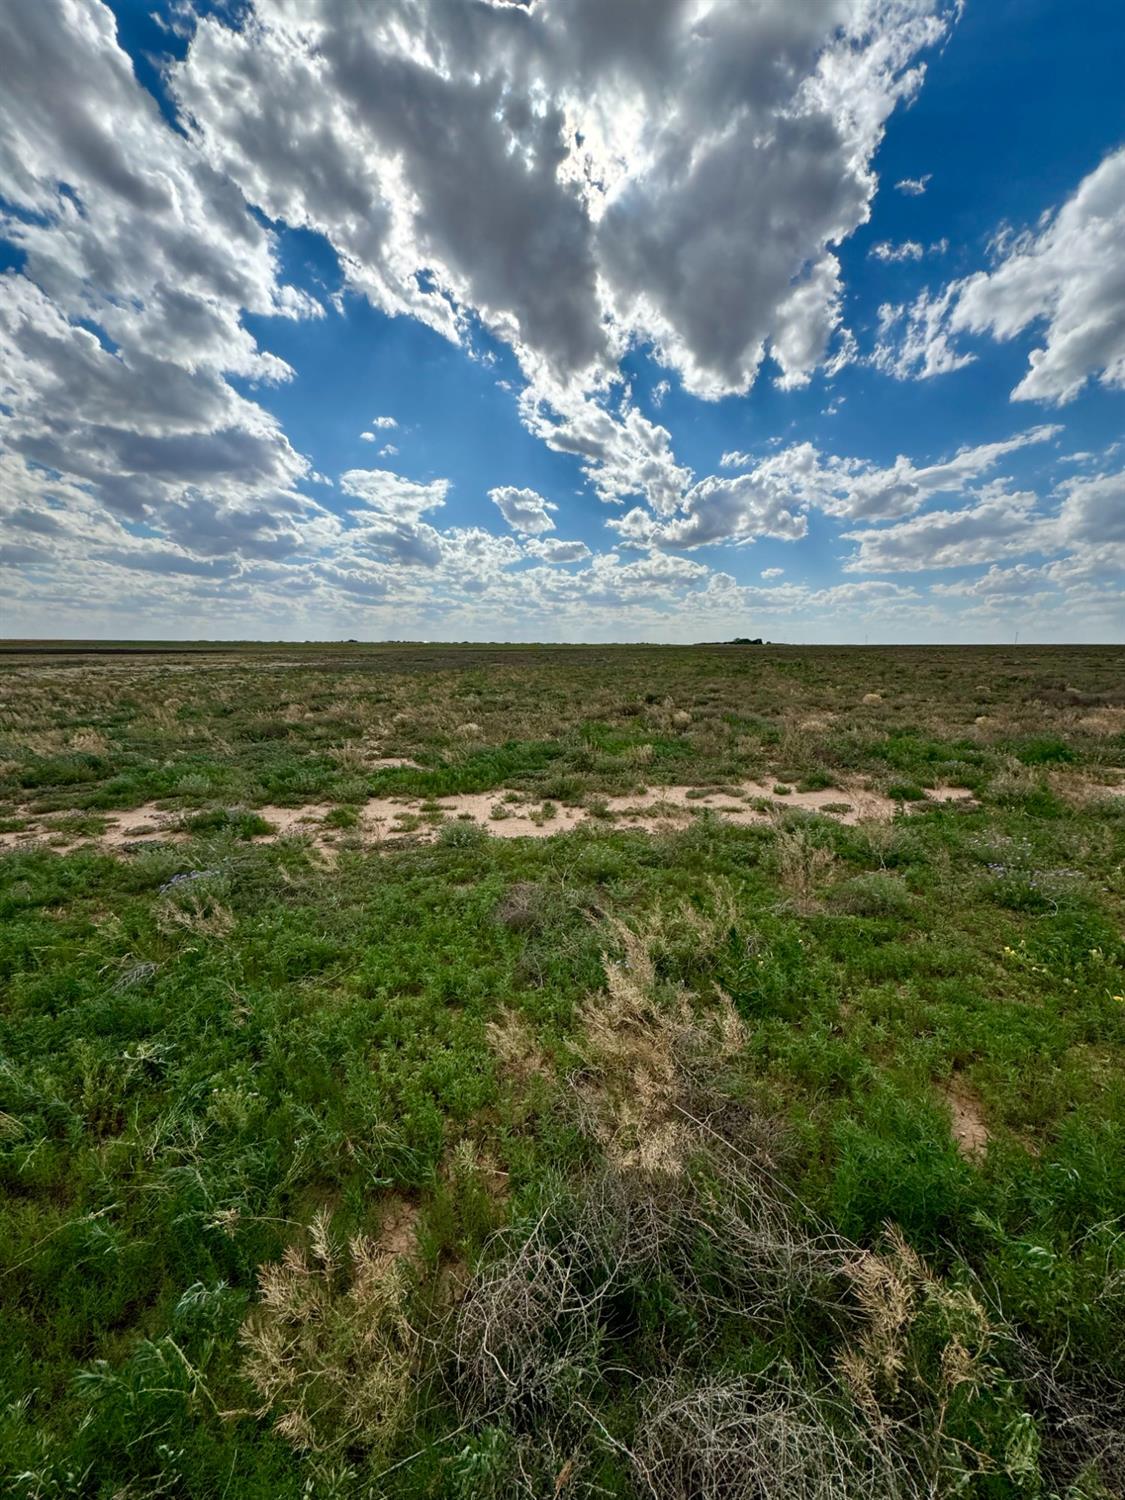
(494, 1071)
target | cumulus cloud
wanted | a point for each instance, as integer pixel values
(524, 510)
(913, 187)
(622, 453)
(557, 551)
(392, 494)
(1093, 511)
(998, 525)
(915, 341)
(773, 498)
(858, 490)
(582, 180)
(580, 176)
(1064, 279)
(718, 509)
(119, 330)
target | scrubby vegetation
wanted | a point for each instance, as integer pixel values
(708, 1160)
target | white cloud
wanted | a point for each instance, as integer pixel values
(772, 497)
(908, 250)
(621, 455)
(998, 583)
(556, 551)
(584, 179)
(1093, 511)
(718, 509)
(997, 525)
(913, 187)
(524, 510)
(118, 333)
(1065, 278)
(580, 176)
(914, 340)
(861, 491)
(392, 494)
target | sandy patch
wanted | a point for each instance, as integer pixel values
(290, 820)
(383, 818)
(951, 794)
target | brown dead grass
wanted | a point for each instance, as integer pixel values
(517, 1052)
(330, 1349)
(643, 1052)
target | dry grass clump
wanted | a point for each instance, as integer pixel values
(804, 864)
(925, 1370)
(646, 1053)
(196, 908)
(518, 1053)
(330, 1348)
(1103, 722)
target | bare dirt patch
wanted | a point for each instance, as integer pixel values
(966, 1118)
(398, 1226)
(387, 818)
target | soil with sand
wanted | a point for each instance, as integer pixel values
(392, 818)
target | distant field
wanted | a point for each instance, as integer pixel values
(487, 1071)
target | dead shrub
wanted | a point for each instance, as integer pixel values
(757, 1440)
(520, 907)
(530, 1331)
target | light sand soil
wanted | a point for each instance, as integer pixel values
(392, 817)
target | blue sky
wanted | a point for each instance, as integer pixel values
(605, 320)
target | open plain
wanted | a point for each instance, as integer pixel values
(550, 1071)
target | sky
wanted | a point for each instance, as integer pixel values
(563, 320)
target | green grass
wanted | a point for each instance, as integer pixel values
(206, 1043)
